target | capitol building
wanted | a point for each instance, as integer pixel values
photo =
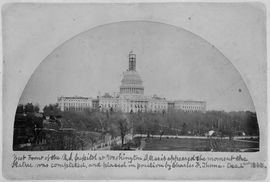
(130, 98)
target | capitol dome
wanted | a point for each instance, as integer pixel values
(131, 82)
(131, 78)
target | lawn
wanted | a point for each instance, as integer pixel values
(187, 144)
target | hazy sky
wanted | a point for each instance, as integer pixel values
(172, 62)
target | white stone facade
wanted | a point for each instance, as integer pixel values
(74, 103)
(190, 106)
(133, 103)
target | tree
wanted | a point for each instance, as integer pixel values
(36, 108)
(20, 109)
(52, 109)
(252, 127)
(123, 130)
(29, 108)
(184, 129)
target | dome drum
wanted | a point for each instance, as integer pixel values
(131, 90)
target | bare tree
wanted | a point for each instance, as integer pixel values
(123, 130)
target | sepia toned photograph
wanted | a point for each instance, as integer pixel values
(136, 85)
(137, 91)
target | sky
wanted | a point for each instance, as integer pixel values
(172, 62)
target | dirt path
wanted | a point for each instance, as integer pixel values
(248, 141)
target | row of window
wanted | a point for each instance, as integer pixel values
(201, 104)
(76, 100)
(192, 107)
(77, 104)
(135, 106)
(132, 90)
(158, 106)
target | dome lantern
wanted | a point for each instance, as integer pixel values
(132, 61)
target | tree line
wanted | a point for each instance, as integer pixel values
(175, 122)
